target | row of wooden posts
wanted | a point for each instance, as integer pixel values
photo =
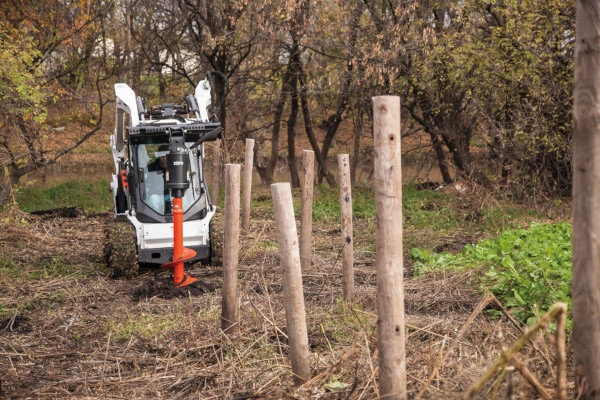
(296, 255)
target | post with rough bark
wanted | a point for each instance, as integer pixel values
(231, 245)
(308, 168)
(586, 201)
(216, 172)
(293, 293)
(347, 237)
(388, 241)
(248, 165)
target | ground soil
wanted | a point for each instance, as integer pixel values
(67, 329)
(73, 331)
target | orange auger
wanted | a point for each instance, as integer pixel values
(180, 253)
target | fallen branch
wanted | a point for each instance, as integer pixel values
(326, 371)
(482, 304)
(507, 355)
(507, 314)
(519, 365)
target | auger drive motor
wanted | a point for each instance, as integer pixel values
(159, 187)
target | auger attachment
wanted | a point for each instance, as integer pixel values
(177, 180)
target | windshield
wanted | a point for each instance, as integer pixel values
(152, 164)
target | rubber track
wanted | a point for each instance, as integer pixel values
(119, 248)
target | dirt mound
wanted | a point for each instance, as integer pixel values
(17, 323)
(62, 212)
(164, 288)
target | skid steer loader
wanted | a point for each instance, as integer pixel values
(162, 206)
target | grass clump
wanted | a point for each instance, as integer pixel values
(342, 323)
(146, 325)
(90, 197)
(524, 268)
(54, 267)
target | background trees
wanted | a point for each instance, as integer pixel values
(487, 83)
(46, 57)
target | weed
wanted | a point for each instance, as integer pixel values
(341, 323)
(269, 244)
(522, 267)
(146, 325)
(56, 267)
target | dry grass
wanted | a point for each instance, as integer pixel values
(77, 333)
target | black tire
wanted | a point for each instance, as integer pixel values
(120, 249)
(211, 248)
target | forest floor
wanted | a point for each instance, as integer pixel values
(67, 329)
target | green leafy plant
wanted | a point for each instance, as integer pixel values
(524, 268)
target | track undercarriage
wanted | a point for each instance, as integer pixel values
(120, 248)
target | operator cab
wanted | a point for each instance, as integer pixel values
(153, 201)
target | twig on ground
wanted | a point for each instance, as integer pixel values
(522, 368)
(508, 354)
(480, 306)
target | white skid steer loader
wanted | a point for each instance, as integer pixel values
(159, 187)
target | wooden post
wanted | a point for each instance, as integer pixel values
(308, 168)
(231, 245)
(248, 165)
(586, 201)
(216, 172)
(388, 242)
(347, 237)
(293, 294)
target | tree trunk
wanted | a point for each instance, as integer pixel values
(459, 149)
(291, 124)
(7, 186)
(441, 157)
(358, 128)
(586, 201)
(15, 173)
(266, 172)
(321, 161)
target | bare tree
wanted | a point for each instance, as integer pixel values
(52, 46)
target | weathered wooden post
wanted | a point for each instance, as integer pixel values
(231, 245)
(347, 236)
(308, 168)
(586, 201)
(388, 241)
(293, 293)
(216, 172)
(248, 165)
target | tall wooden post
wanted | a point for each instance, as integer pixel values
(347, 237)
(388, 241)
(586, 201)
(248, 165)
(308, 168)
(293, 293)
(231, 245)
(216, 172)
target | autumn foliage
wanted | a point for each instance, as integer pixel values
(488, 83)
